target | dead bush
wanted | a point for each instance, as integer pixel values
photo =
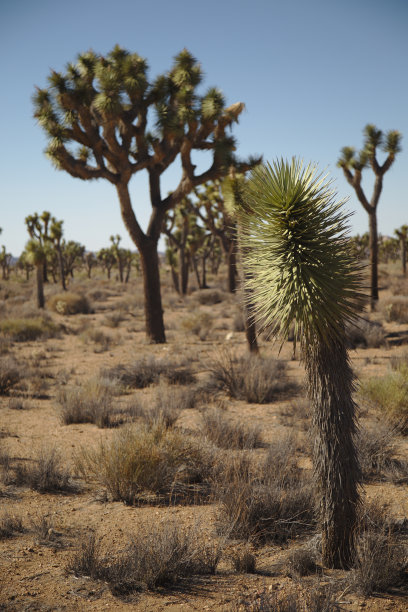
(10, 374)
(318, 599)
(161, 556)
(365, 334)
(69, 303)
(149, 371)
(389, 394)
(27, 329)
(381, 563)
(199, 324)
(225, 434)
(102, 342)
(45, 474)
(10, 525)
(148, 460)
(377, 453)
(255, 506)
(255, 379)
(114, 319)
(92, 403)
(396, 309)
(302, 562)
(243, 561)
(209, 297)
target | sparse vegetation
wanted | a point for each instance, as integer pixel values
(28, 329)
(45, 474)
(258, 380)
(159, 556)
(148, 459)
(389, 394)
(149, 371)
(91, 403)
(225, 434)
(10, 374)
(69, 303)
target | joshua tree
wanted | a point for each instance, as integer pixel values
(5, 262)
(102, 104)
(36, 248)
(55, 236)
(294, 236)
(402, 235)
(353, 165)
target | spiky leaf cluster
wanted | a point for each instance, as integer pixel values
(295, 240)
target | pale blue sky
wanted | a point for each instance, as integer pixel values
(312, 73)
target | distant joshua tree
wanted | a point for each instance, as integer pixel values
(102, 104)
(302, 271)
(353, 165)
(402, 235)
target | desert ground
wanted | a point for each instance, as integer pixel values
(72, 524)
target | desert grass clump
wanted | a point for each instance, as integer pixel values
(378, 455)
(92, 403)
(318, 599)
(243, 561)
(159, 556)
(255, 379)
(389, 395)
(69, 303)
(102, 342)
(209, 297)
(10, 374)
(45, 474)
(396, 309)
(225, 434)
(148, 459)
(10, 525)
(199, 324)
(148, 371)
(381, 563)
(28, 329)
(365, 334)
(302, 562)
(256, 506)
(114, 319)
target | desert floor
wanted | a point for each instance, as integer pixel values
(35, 559)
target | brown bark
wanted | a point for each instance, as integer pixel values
(373, 258)
(61, 265)
(40, 285)
(336, 466)
(149, 258)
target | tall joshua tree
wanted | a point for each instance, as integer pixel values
(294, 236)
(353, 165)
(402, 235)
(102, 104)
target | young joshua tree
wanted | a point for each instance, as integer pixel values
(102, 104)
(353, 166)
(295, 239)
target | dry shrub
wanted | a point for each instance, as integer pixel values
(148, 371)
(396, 309)
(319, 599)
(200, 324)
(92, 403)
(302, 562)
(389, 394)
(160, 556)
(256, 505)
(377, 454)
(365, 334)
(147, 460)
(209, 297)
(225, 434)
(46, 474)
(102, 341)
(10, 525)
(381, 563)
(10, 374)
(244, 561)
(114, 319)
(27, 329)
(255, 379)
(238, 322)
(69, 303)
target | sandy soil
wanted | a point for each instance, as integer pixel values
(33, 569)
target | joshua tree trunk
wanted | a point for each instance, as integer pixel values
(336, 466)
(373, 258)
(40, 285)
(232, 268)
(183, 265)
(61, 265)
(151, 281)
